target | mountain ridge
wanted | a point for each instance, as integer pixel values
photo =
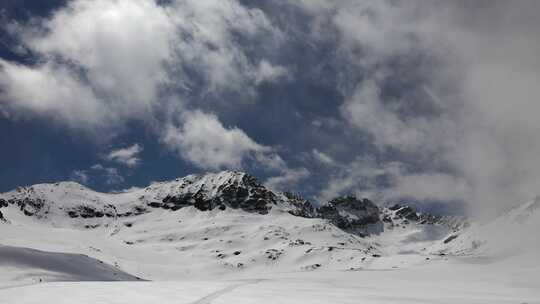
(228, 224)
(226, 189)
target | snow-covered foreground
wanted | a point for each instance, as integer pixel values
(456, 281)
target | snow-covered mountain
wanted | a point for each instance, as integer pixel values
(225, 225)
(207, 224)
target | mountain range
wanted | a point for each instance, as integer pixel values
(228, 225)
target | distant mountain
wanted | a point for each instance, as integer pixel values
(206, 192)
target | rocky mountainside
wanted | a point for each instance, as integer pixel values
(227, 189)
(216, 224)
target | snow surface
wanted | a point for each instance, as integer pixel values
(232, 256)
(21, 266)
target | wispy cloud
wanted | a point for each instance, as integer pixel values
(128, 156)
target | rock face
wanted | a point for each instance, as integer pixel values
(300, 206)
(223, 190)
(407, 213)
(350, 213)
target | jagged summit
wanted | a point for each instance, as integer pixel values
(227, 189)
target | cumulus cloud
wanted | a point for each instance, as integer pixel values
(50, 90)
(101, 64)
(266, 72)
(204, 141)
(127, 156)
(96, 66)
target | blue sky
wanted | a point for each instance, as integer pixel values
(393, 100)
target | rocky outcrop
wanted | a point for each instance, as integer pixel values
(224, 190)
(299, 206)
(407, 212)
(350, 213)
(28, 206)
(108, 211)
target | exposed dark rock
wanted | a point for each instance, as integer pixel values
(387, 219)
(407, 212)
(3, 203)
(426, 218)
(299, 242)
(350, 213)
(273, 254)
(301, 207)
(247, 194)
(155, 204)
(29, 206)
(87, 211)
(394, 207)
(450, 238)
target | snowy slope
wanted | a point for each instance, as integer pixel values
(513, 233)
(26, 266)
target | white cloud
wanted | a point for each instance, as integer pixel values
(288, 180)
(50, 90)
(366, 111)
(97, 167)
(104, 62)
(100, 64)
(482, 75)
(426, 187)
(362, 178)
(204, 141)
(266, 72)
(127, 156)
(322, 157)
